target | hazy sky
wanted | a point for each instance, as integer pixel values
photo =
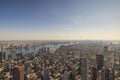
(59, 19)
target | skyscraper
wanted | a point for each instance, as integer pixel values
(93, 73)
(18, 73)
(46, 73)
(84, 69)
(66, 75)
(1, 48)
(105, 49)
(19, 55)
(99, 61)
(105, 74)
(112, 74)
(119, 59)
(2, 56)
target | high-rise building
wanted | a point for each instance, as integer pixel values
(84, 69)
(99, 61)
(72, 75)
(10, 56)
(105, 74)
(79, 68)
(18, 73)
(119, 58)
(0, 75)
(99, 75)
(112, 74)
(2, 56)
(105, 49)
(1, 48)
(48, 49)
(19, 55)
(66, 75)
(46, 73)
(106, 54)
(93, 73)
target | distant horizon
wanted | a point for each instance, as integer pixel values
(61, 40)
(59, 20)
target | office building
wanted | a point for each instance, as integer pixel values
(99, 61)
(2, 56)
(18, 73)
(105, 49)
(84, 69)
(19, 55)
(105, 74)
(93, 73)
(46, 73)
(112, 74)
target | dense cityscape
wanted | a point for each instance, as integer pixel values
(59, 39)
(59, 60)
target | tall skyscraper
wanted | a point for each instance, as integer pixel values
(2, 56)
(105, 49)
(112, 74)
(1, 48)
(66, 75)
(19, 55)
(93, 73)
(48, 49)
(99, 61)
(46, 73)
(84, 69)
(72, 75)
(105, 74)
(10, 56)
(119, 59)
(18, 73)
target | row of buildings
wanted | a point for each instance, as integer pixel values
(70, 62)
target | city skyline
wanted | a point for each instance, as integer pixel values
(59, 20)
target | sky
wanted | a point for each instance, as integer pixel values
(59, 19)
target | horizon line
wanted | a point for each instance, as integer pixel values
(61, 40)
